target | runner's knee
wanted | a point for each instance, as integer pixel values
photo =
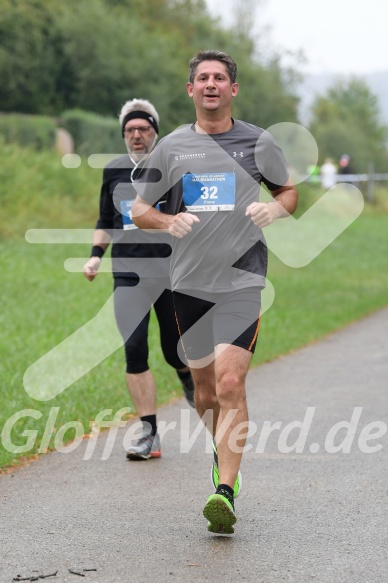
(230, 387)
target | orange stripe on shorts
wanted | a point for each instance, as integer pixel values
(256, 332)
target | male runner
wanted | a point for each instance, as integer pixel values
(134, 295)
(211, 172)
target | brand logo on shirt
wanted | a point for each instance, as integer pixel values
(235, 154)
(190, 156)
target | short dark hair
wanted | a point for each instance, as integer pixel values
(212, 55)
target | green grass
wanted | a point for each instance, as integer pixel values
(43, 303)
(38, 192)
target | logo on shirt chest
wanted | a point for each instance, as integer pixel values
(235, 154)
(193, 156)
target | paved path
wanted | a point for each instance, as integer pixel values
(312, 516)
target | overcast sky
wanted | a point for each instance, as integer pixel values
(337, 36)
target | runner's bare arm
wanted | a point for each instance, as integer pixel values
(147, 217)
(285, 203)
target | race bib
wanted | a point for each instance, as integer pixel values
(126, 213)
(209, 192)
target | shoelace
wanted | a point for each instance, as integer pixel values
(144, 439)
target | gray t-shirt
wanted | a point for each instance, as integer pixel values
(216, 177)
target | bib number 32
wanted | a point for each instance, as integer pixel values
(209, 192)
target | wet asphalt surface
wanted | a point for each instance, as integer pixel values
(314, 502)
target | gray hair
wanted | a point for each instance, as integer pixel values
(138, 105)
(212, 55)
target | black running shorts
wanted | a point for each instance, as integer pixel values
(217, 318)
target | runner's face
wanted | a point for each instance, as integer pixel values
(139, 136)
(212, 89)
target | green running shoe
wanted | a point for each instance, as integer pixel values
(215, 474)
(219, 512)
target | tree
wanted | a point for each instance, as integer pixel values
(347, 120)
(95, 55)
(30, 56)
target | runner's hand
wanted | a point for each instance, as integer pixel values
(182, 224)
(90, 269)
(262, 213)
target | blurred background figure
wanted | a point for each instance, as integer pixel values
(328, 174)
(313, 172)
(344, 165)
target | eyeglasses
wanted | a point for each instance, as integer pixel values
(140, 129)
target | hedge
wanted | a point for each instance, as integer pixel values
(92, 133)
(35, 131)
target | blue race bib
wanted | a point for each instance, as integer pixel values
(209, 191)
(126, 213)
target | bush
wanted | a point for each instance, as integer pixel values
(35, 131)
(92, 133)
